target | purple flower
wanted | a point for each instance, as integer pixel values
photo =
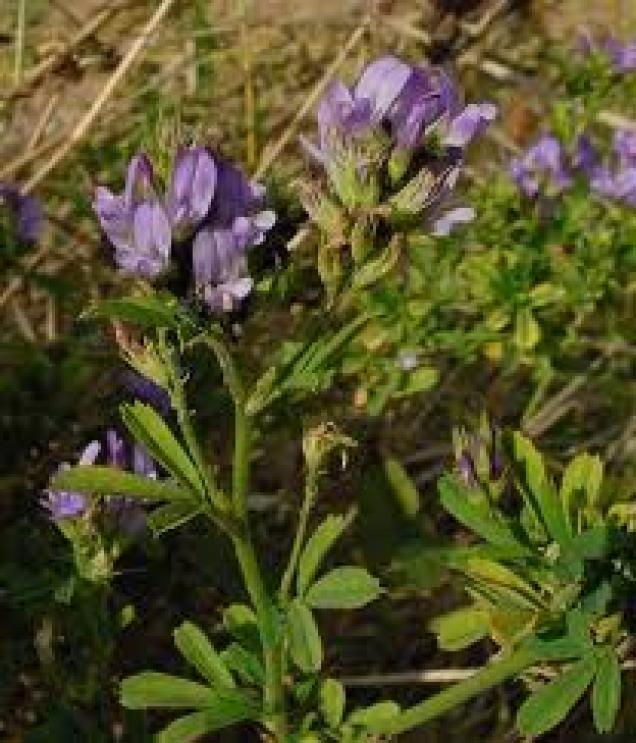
(135, 222)
(470, 123)
(220, 269)
(237, 222)
(66, 504)
(622, 56)
(25, 213)
(586, 157)
(147, 391)
(191, 190)
(616, 178)
(625, 148)
(541, 166)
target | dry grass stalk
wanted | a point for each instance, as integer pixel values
(271, 153)
(84, 124)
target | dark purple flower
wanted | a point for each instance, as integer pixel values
(66, 504)
(237, 222)
(127, 515)
(135, 222)
(147, 391)
(191, 190)
(24, 211)
(586, 157)
(541, 166)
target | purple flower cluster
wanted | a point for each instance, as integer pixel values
(386, 119)
(210, 209)
(546, 169)
(621, 56)
(542, 168)
(124, 515)
(24, 213)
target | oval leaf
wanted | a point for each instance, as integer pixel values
(153, 689)
(550, 705)
(343, 588)
(305, 644)
(374, 716)
(332, 702)
(606, 693)
(460, 628)
(201, 654)
(316, 548)
(228, 709)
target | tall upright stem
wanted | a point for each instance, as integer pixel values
(448, 699)
(252, 575)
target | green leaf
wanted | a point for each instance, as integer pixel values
(244, 663)
(320, 542)
(420, 380)
(240, 621)
(402, 487)
(343, 588)
(153, 689)
(478, 517)
(581, 484)
(171, 516)
(544, 498)
(373, 717)
(228, 709)
(150, 311)
(373, 270)
(149, 428)
(201, 654)
(606, 692)
(99, 480)
(332, 702)
(460, 628)
(550, 705)
(527, 330)
(305, 645)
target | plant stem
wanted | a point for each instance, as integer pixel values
(448, 699)
(311, 487)
(252, 576)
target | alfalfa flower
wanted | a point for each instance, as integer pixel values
(237, 222)
(22, 212)
(67, 504)
(191, 190)
(383, 125)
(622, 56)
(542, 168)
(615, 176)
(135, 222)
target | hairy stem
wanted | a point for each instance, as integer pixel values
(311, 487)
(448, 699)
(253, 578)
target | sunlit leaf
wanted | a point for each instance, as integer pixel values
(305, 645)
(197, 649)
(550, 705)
(343, 588)
(606, 692)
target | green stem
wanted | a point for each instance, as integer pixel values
(446, 700)
(252, 576)
(311, 487)
(180, 405)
